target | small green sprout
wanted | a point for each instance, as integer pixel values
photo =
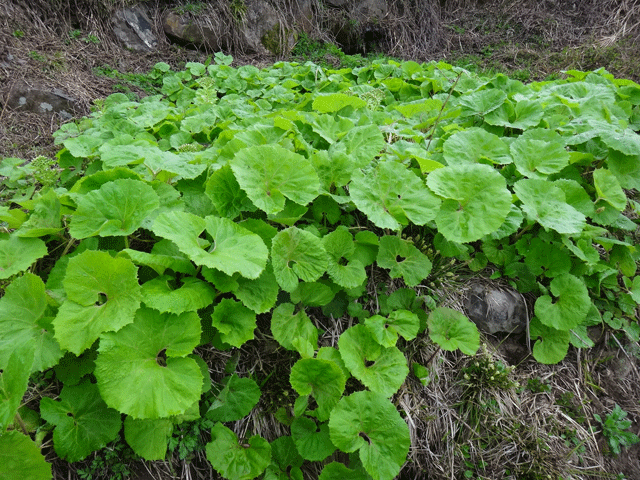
(614, 429)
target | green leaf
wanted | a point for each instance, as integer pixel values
(609, 189)
(143, 369)
(117, 208)
(336, 102)
(45, 217)
(343, 268)
(338, 471)
(285, 460)
(164, 255)
(17, 254)
(451, 330)
(368, 423)
(83, 421)
(403, 259)
(546, 204)
(383, 370)
(312, 441)
(538, 153)
(102, 295)
(259, 295)
(297, 254)
(312, 294)
(148, 438)
(234, 321)
(399, 322)
(321, 378)
(474, 145)
(551, 345)
(22, 324)
(234, 248)
(14, 380)
(226, 195)
(569, 305)
(626, 141)
(287, 327)
(191, 296)
(391, 195)
(20, 458)
(235, 401)
(269, 173)
(482, 102)
(476, 201)
(361, 144)
(234, 460)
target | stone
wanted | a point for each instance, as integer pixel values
(40, 99)
(187, 28)
(495, 308)
(134, 29)
(337, 3)
(303, 15)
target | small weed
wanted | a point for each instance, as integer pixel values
(18, 34)
(568, 406)
(190, 7)
(484, 373)
(75, 34)
(91, 39)
(238, 9)
(38, 57)
(187, 437)
(111, 462)
(535, 385)
(614, 429)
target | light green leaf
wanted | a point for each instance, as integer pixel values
(382, 370)
(626, 141)
(473, 145)
(148, 438)
(451, 330)
(399, 322)
(482, 102)
(235, 460)
(312, 441)
(538, 153)
(360, 144)
(626, 168)
(102, 295)
(234, 321)
(297, 254)
(287, 327)
(17, 254)
(259, 295)
(392, 195)
(269, 173)
(226, 195)
(368, 423)
(579, 337)
(338, 471)
(20, 458)
(551, 345)
(545, 203)
(15, 370)
(403, 259)
(22, 324)
(476, 201)
(45, 216)
(164, 255)
(569, 305)
(285, 460)
(117, 208)
(143, 369)
(312, 294)
(321, 378)
(192, 295)
(234, 248)
(609, 189)
(235, 401)
(343, 268)
(336, 102)
(83, 421)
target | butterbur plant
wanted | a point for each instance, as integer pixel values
(242, 204)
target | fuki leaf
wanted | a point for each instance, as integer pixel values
(321, 378)
(117, 208)
(551, 345)
(297, 254)
(235, 401)
(226, 195)
(609, 189)
(476, 201)
(191, 296)
(102, 295)
(473, 145)
(368, 423)
(338, 471)
(346, 271)
(287, 327)
(234, 321)
(399, 322)
(148, 437)
(336, 102)
(569, 305)
(538, 153)
(14, 379)
(236, 460)
(403, 259)
(83, 421)
(312, 441)
(381, 369)
(144, 370)
(452, 330)
(20, 458)
(17, 254)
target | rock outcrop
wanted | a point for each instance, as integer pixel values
(133, 28)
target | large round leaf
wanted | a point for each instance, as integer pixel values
(391, 195)
(17, 254)
(235, 460)
(399, 322)
(452, 330)
(235, 400)
(148, 437)
(83, 421)
(102, 295)
(570, 304)
(143, 370)
(269, 173)
(293, 330)
(609, 189)
(476, 201)
(117, 208)
(368, 423)
(383, 370)
(297, 254)
(538, 153)
(551, 345)
(473, 145)
(403, 259)
(191, 296)
(321, 378)
(312, 441)
(346, 271)
(234, 321)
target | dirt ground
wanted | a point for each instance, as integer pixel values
(67, 44)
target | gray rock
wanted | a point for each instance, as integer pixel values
(495, 308)
(134, 29)
(40, 99)
(210, 33)
(337, 3)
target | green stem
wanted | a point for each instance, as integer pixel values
(18, 419)
(126, 242)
